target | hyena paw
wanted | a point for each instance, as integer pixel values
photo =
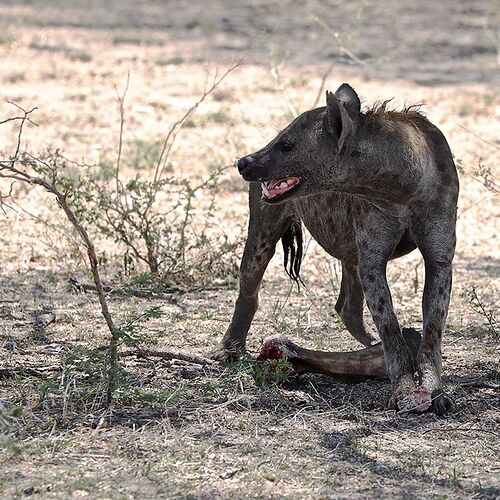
(442, 403)
(410, 399)
(225, 355)
(422, 399)
(417, 401)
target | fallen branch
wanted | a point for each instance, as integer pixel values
(142, 352)
(147, 294)
(28, 371)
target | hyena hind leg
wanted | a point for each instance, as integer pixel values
(349, 305)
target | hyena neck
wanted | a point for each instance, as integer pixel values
(378, 177)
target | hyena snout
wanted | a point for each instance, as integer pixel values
(245, 163)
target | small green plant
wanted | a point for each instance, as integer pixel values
(8, 417)
(272, 371)
(218, 117)
(172, 61)
(131, 331)
(137, 40)
(79, 55)
(83, 381)
(167, 223)
(160, 224)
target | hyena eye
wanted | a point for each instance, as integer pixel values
(286, 145)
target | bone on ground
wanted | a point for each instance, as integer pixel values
(368, 362)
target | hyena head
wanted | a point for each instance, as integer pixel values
(302, 158)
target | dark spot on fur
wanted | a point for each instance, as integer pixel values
(441, 290)
(355, 154)
(381, 304)
(371, 278)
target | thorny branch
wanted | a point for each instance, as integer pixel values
(9, 170)
(45, 172)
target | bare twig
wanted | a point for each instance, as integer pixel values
(478, 202)
(337, 37)
(479, 307)
(177, 125)
(142, 352)
(275, 73)
(121, 103)
(480, 138)
(321, 88)
(25, 118)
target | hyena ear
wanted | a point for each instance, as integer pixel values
(347, 95)
(342, 110)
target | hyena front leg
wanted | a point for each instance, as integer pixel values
(266, 226)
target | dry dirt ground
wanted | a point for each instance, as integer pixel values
(185, 431)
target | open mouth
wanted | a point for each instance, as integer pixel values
(277, 188)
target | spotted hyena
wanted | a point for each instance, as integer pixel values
(369, 186)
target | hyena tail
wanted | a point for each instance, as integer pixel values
(293, 250)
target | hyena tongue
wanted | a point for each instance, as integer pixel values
(280, 186)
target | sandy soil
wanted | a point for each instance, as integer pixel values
(182, 431)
